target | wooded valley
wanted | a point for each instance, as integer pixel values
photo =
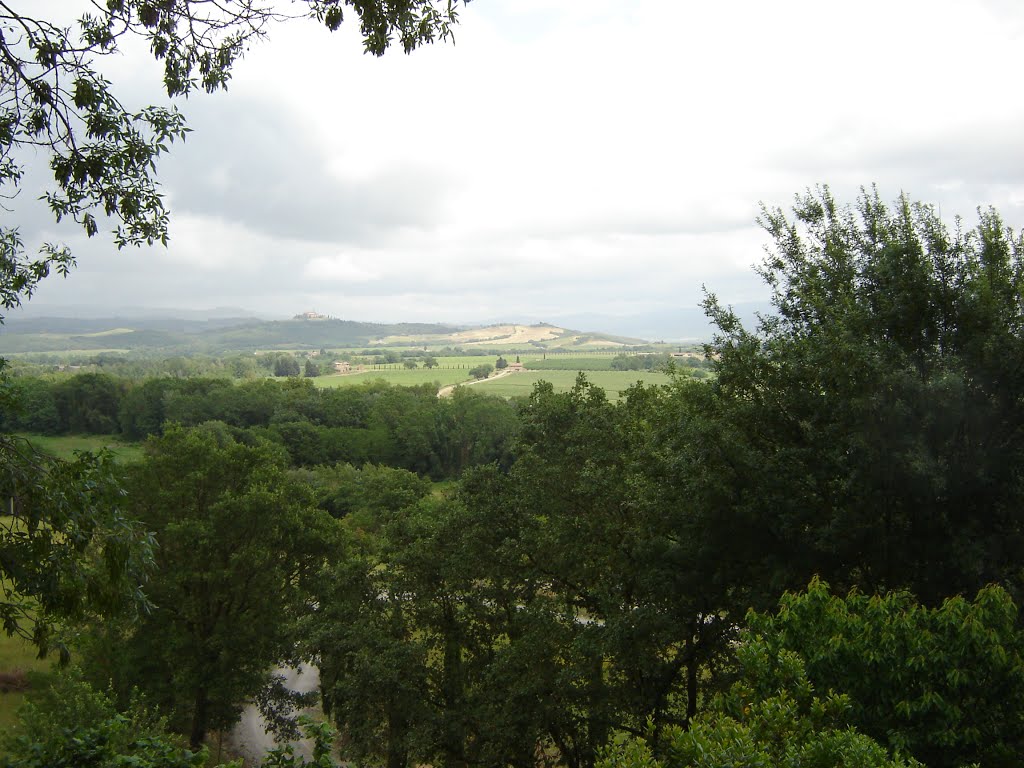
(810, 558)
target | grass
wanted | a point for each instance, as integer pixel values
(613, 382)
(568, 363)
(64, 446)
(560, 370)
(400, 376)
(17, 653)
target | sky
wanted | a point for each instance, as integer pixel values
(563, 160)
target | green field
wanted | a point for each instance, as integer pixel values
(613, 382)
(569, 363)
(17, 656)
(399, 376)
(572, 361)
(560, 370)
(64, 446)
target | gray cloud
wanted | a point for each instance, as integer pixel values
(251, 163)
(563, 157)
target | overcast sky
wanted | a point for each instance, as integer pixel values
(563, 157)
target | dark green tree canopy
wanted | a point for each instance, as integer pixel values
(68, 550)
(943, 684)
(240, 548)
(874, 421)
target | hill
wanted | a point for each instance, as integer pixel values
(221, 335)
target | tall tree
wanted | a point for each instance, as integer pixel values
(240, 548)
(68, 551)
(877, 426)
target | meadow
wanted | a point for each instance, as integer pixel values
(614, 383)
(18, 661)
(558, 369)
(397, 375)
(64, 446)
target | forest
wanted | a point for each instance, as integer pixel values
(811, 557)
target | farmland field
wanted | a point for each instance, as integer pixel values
(613, 382)
(570, 363)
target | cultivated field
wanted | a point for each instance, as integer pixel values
(559, 369)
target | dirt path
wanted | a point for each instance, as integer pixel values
(249, 739)
(446, 391)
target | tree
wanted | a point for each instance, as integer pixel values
(501, 363)
(943, 684)
(311, 369)
(875, 432)
(68, 550)
(286, 365)
(473, 429)
(429, 362)
(409, 364)
(240, 547)
(68, 723)
(89, 403)
(536, 611)
(785, 726)
(481, 371)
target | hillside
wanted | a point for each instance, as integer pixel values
(178, 336)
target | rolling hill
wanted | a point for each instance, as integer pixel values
(218, 336)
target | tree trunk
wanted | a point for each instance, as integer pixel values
(398, 754)
(692, 670)
(199, 717)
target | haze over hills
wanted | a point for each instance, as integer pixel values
(212, 336)
(167, 325)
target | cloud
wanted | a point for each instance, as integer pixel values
(564, 155)
(340, 268)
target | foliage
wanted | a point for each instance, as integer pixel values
(536, 610)
(71, 724)
(322, 736)
(362, 495)
(788, 728)
(240, 550)
(944, 684)
(67, 549)
(648, 362)
(19, 276)
(286, 365)
(874, 423)
(481, 371)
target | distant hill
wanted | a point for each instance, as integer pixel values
(221, 335)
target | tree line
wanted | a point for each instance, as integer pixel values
(408, 427)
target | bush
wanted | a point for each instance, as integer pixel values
(72, 724)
